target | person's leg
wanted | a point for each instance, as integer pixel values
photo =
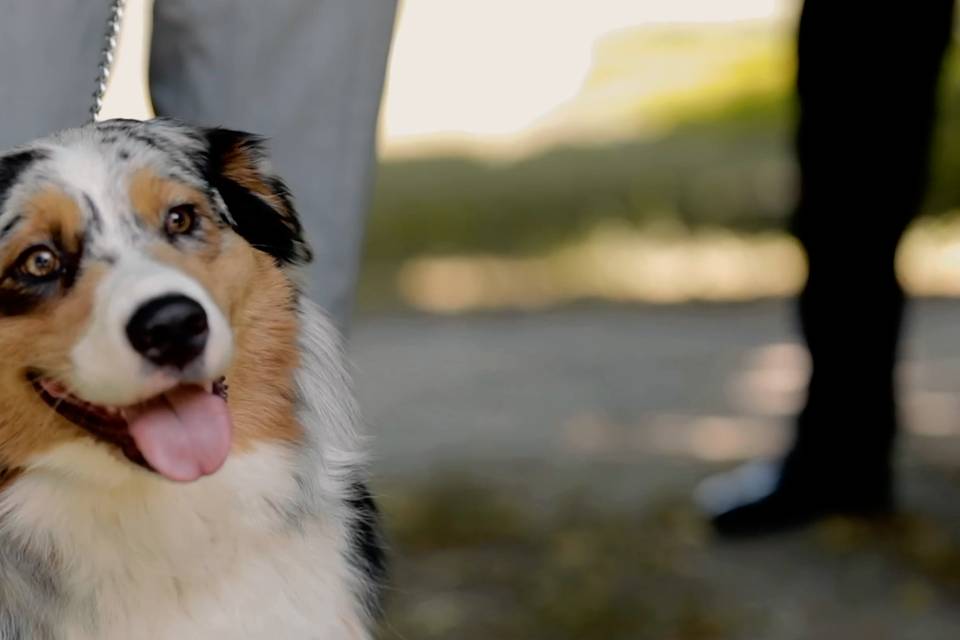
(49, 52)
(867, 83)
(308, 74)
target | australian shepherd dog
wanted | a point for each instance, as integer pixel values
(178, 446)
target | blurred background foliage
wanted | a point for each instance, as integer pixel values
(715, 153)
(710, 147)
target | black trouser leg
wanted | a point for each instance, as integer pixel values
(867, 81)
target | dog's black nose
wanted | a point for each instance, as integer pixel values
(169, 331)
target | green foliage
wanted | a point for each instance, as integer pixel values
(726, 171)
(726, 167)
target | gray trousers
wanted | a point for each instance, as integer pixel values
(308, 74)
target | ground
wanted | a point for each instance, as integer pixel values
(536, 473)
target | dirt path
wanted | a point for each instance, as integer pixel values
(536, 472)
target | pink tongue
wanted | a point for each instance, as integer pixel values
(183, 434)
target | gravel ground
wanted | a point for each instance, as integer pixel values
(535, 470)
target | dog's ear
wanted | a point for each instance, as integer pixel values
(12, 165)
(260, 206)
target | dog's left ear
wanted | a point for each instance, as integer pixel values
(258, 201)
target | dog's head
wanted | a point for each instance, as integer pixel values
(141, 265)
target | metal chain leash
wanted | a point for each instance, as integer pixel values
(106, 56)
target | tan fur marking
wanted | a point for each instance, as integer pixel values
(27, 425)
(47, 212)
(252, 291)
(241, 168)
(257, 300)
(153, 195)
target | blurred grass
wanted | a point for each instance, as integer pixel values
(502, 556)
(724, 162)
(478, 562)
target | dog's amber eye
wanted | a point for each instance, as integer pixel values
(180, 220)
(39, 262)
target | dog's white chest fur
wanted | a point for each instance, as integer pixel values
(221, 558)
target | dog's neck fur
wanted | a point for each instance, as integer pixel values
(259, 550)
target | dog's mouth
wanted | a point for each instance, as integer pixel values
(182, 434)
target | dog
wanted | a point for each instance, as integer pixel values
(179, 453)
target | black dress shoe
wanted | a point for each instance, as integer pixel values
(763, 498)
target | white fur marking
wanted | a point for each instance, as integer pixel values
(106, 369)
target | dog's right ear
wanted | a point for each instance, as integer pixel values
(12, 165)
(260, 206)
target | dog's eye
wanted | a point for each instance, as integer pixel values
(180, 220)
(39, 262)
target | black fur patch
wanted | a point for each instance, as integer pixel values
(16, 301)
(367, 544)
(274, 232)
(11, 166)
(257, 222)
